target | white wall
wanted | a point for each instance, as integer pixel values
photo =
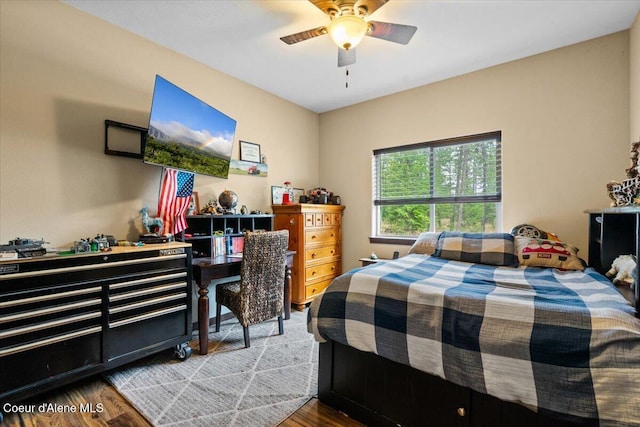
(564, 117)
(62, 73)
(634, 50)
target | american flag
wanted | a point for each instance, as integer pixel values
(174, 199)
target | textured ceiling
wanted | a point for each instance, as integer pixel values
(242, 39)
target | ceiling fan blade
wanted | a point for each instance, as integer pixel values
(346, 57)
(396, 33)
(304, 35)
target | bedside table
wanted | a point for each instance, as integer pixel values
(368, 261)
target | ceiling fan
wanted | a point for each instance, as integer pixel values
(348, 27)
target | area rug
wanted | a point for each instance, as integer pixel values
(232, 385)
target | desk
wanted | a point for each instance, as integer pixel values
(207, 269)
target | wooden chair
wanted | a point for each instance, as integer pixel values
(259, 293)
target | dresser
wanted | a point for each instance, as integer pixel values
(315, 233)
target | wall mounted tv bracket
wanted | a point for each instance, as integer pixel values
(133, 154)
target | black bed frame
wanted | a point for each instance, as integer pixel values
(380, 392)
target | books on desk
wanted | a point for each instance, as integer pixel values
(227, 245)
(238, 255)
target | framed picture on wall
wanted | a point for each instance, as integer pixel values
(297, 192)
(249, 152)
(277, 192)
(194, 205)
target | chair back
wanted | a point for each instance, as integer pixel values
(263, 269)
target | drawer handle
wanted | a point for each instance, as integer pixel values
(51, 310)
(89, 267)
(313, 291)
(147, 291)
(147, 280)
(148, 302)
(333, 235)
(313, 273)
(50, 324)
(313, 237)
(147, 316)
(313, 255)
(461, 412)
(333, 267)
(43, 342)
(41, 298)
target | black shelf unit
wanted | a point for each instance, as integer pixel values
(614, 232)
(203, 228)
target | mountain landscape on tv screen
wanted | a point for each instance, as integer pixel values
(183, 151)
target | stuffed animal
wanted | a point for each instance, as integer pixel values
(624, 268)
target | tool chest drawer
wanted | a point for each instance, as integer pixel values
(66, 317)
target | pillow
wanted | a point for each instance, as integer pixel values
(425, 243)
(482, 248)
(547, 253)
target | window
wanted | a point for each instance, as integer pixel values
(451, 184)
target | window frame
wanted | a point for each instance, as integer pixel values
(431, 200)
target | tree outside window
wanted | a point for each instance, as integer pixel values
(446, 185)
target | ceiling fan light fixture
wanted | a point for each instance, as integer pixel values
(347, 31)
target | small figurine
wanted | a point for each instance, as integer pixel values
(287, 195)
(624, 268)
(81, 246)
(25, 248)
(151, 225)
(627, 192)
(210, 207)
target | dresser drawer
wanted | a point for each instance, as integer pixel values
(316, 254)
(332, 219)
(317, 271)
(322, 235)
(317, 288)
(315, 219)
(318, 219)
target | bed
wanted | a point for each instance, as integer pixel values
(439, 340)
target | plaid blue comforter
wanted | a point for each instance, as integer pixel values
(560, 342)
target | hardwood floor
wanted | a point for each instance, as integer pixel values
(315, 413)
(115, 411)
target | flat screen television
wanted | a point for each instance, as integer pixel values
(186, 133)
